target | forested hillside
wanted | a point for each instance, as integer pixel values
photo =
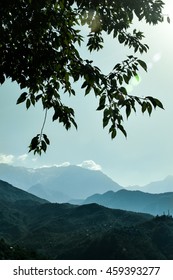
(31, 228)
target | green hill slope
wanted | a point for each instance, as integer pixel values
(9, 193)
(63, 231)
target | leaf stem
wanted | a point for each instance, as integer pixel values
(44, 122)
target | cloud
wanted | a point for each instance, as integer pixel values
(8, 159)
(64, 164)
(11, 159)
(34, 159)
(90, 164)
(22, 157)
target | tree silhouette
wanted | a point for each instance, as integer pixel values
(39, 49)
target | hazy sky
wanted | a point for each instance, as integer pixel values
(145, 156)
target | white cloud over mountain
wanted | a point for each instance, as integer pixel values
(22, 157)
(64, 164)
(8, 159)
(11, 159)
(90, 164)
(15, 160)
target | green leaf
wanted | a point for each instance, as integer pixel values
(73, 122)
(168, 19)
(102, 103)
(34, 143)
(28, 103)
(106, 117)
(149, 108)
(121, 128)
(43, 146)
(38, 97)
(123, 90)
(22, 98)
(144, 106)
(128, 110)
(114, 133)
(126, 79)
(155, 102)
(120, 79)
(159, 103)
(46, 139)
(121, 38)
(88, 89)
(105, 122)
(56, 115)
(142, 64)
(85, 84)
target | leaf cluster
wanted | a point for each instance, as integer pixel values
(39, 143)
(114, 96)
(39, 50)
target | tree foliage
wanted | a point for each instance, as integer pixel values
(39, 49)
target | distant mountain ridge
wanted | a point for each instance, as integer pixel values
(71, 183)
(162, 186)
(137, 201)
(58, 184)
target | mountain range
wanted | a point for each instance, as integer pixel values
(165, 185)
(71, 183)
(58, 184)
(33, 228)
(137, 201)
(77, 186)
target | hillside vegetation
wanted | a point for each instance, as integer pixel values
(33, 229)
